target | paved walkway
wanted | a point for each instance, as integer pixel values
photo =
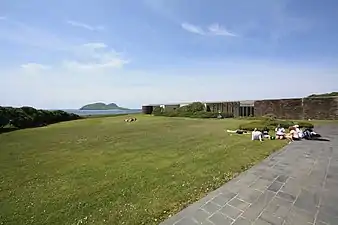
(295, 186)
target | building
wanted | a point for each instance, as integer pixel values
(321, 108)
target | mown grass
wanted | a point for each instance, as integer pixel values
(106, 171)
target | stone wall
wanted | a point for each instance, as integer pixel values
(320, 108)
(299, 108)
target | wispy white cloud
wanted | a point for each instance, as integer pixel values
(94, 45)
(192, 28)
(212, 30)
(29, 35)
(85, 26)
(93, 56)
(34, 67)
(216, 29)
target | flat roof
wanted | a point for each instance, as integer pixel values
(243, 102)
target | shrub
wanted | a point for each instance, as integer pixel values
(195, 107)
(227, 115)
(157, 111)
(305, 124)
(270, 116)
(183, 109)
(3, 121)
(260, 125)
(170, 113)
(26, 117)
(272, 124)
(282, 123)
(202, 114)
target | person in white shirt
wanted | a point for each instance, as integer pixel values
(293, 135)
(299, 131)
(280, 132)
(256, 135)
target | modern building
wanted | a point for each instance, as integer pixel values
(321, 108)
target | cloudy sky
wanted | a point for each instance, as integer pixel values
(67, 53)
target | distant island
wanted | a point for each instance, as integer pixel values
(102, 106)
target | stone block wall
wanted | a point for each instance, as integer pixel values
(282, 108)
(320, 108)
(298, 108)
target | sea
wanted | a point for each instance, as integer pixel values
(101, 112)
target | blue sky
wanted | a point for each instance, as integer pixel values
(67, 53)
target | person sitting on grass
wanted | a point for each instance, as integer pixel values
(280, 132)
(299, 131)
(265, 133)
(256, 135)
(292, 135)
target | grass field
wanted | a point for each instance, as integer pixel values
(105, 171)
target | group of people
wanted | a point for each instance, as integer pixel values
(295, 134)
(129, 120)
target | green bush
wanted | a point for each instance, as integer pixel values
(3, 121)
(26, 117)
(195, 107)
(304, 124)
(173, 113)
(157, 111)
(270, 116)
(203, 114)
(260, 125)
(272, 124)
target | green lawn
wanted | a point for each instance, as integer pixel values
(105, 171)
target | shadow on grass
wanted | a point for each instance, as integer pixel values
(8, 129)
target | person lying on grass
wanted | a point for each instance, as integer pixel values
(238, 131)
(310, 134)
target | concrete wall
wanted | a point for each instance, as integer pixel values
(147, 109)
(224, 107)
(246, 111)
(299, 108)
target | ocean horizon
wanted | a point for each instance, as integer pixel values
(101, 112)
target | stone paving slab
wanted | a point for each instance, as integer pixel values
(297, 185)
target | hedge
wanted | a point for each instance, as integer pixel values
(268, 124)
(27, 117)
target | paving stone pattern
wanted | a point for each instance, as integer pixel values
(297, 185)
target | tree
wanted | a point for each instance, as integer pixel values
(3, 121)
(195, 107)
(157, 111)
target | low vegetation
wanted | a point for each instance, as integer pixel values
(331, 94)
(270, 123)
(28, 117)
(193, 110)
(107, 171)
